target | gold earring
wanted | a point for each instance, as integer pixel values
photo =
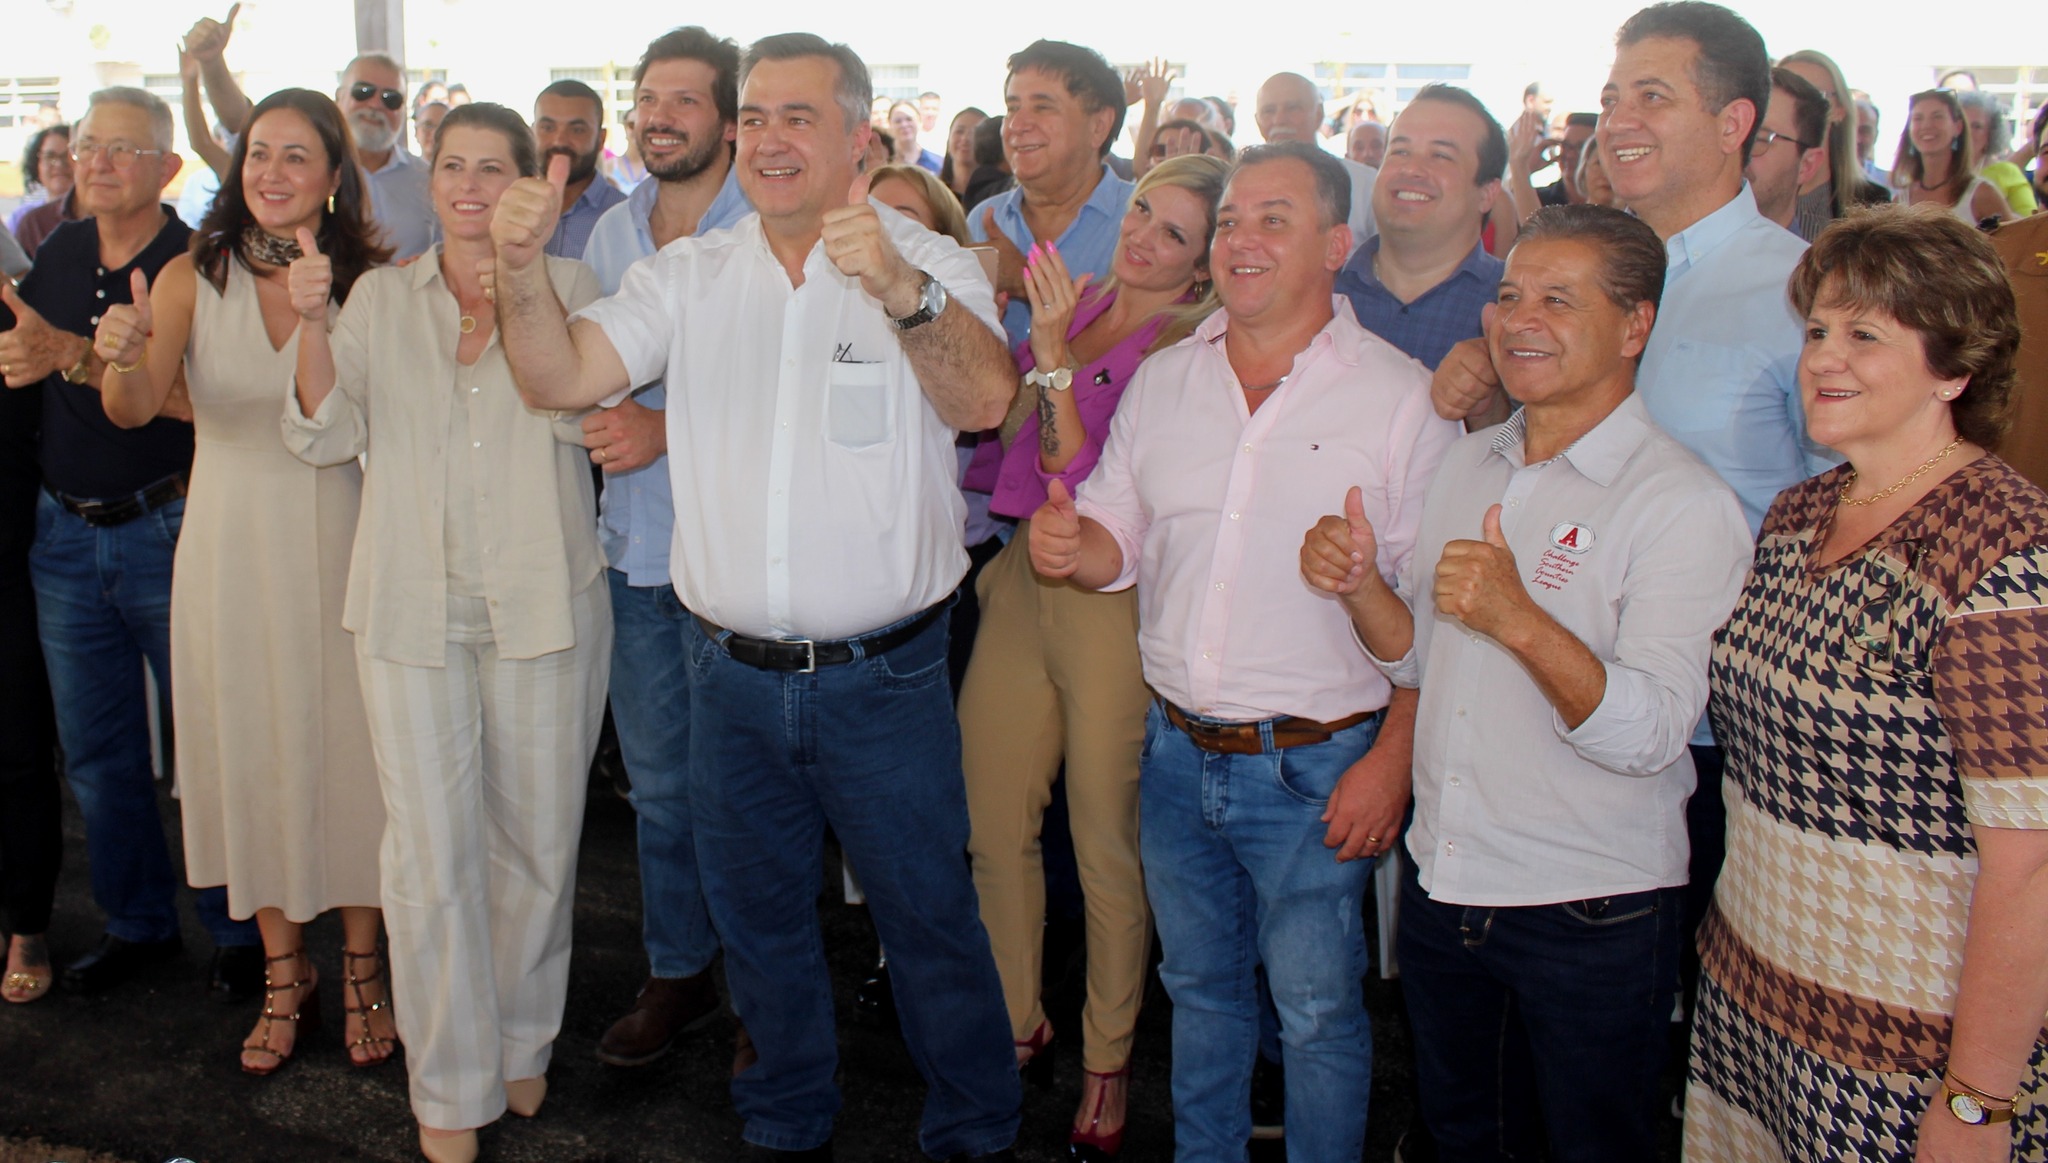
(330, 203)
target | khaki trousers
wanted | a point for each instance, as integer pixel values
(484, 762)
(1056, 675)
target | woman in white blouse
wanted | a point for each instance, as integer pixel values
(482, 635)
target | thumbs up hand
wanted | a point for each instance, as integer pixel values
(1056, 534)
(526, 214)
(209, 37)
(1337, 556)
(1478, 583)
(309, 281)
(33, 349)
(125, 328)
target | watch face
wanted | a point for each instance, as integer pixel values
(1966, 1107)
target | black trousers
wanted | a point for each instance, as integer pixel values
(31, 838)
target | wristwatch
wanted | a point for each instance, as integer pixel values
(1059, 379)
(931, 303)
(79, 372)
(1972, 1108)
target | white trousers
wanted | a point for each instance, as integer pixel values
(484, 762)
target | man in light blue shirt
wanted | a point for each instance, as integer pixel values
(1720, 374)
(568, 119)
(1064, 106)
(685, 108)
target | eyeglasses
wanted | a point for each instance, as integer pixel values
(1767, 138)
(364, 90)
(120, 154)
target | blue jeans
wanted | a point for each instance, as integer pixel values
(103, 604)
(872, 748)
(1238, 875)
(1588, 983)
(651, 705)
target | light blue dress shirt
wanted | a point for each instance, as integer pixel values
(572, 230)
(1721, 371)
(637, 513)
(1087, 246)
(403, 205)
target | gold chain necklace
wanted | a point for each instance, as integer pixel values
(1845, 499)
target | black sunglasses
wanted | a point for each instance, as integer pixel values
(364, 90)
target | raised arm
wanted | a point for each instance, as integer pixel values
(196, 133)
(1153, 81)
(143, 343)
(1054, 296)
(961, 362)
(556, 365)
(207, 43)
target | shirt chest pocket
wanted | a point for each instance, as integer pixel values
(858, 406)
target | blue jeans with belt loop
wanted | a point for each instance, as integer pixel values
(103, 605)
(872, 748)
(1237, 872)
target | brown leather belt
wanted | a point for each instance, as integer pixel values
(1246, 738)
(121, 510)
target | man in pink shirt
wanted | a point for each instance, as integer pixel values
(1271, 730)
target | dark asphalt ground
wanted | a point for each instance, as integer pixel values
(150, 1071)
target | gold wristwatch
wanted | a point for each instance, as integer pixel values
(1973, 1106)
(79, 372)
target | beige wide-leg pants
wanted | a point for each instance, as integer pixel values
(483, 762)
(1055, 675)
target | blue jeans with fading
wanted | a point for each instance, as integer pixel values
(650, 695)
(103, 605)
(1238, 875)
(872, 748)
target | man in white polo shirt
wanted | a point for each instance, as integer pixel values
(1557, 614)
(819, 358)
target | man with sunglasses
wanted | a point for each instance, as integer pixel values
(372, 97)
(107, 524)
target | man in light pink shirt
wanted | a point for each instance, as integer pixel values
(1271, 730)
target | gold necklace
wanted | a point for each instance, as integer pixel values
(1845, 499)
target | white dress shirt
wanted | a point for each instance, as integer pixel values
(1209, 502)
(813, 481)
(1638, 550)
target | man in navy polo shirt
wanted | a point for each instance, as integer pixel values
(106, 527)
(1423, 281)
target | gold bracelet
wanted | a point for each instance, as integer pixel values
(125, 369)
(1982, 1095)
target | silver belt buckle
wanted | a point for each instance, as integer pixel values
(810, 655)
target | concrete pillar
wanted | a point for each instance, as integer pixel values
(380, 27)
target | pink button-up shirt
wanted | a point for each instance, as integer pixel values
(1209, 503)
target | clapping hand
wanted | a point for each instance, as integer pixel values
(1054, 296)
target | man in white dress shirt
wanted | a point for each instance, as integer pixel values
(1557, 614)
(819, 358)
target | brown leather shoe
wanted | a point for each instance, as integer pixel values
(666, 1007)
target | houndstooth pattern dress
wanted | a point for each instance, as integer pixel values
(1872, 711)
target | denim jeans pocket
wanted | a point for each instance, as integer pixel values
(1612, 910)
(166, 521)
(1310, 773)
(915, 665)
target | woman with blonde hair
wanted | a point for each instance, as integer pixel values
(1938, 161)
(1055, 675)
(1842, 185)
(918, 193)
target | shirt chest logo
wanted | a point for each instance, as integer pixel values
(1571, 537)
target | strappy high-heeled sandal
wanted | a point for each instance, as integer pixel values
(352, 1006)
(306, 1005)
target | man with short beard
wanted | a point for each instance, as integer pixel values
(372, 97)
(568, 120)
(685, 108)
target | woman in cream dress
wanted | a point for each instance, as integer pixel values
(277, 785)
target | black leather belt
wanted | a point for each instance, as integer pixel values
(121, 510)
(807, 655)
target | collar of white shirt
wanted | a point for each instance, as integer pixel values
(1599, 455)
